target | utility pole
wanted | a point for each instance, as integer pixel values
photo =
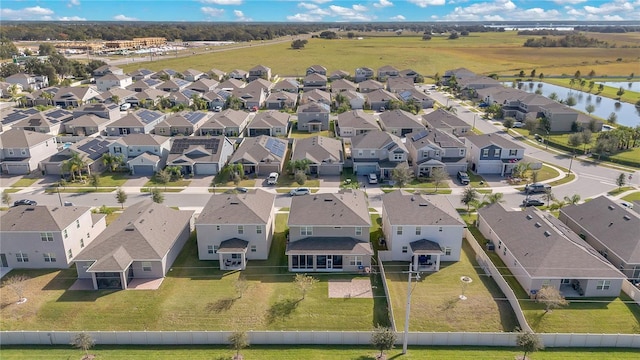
(412, 275)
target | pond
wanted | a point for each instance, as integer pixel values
(627, 114)
(627, 85)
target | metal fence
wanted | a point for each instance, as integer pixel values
(383, 276)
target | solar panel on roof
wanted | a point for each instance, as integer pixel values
(275, 147)
(419, 135)
(56, 114)
(194, 117)
(95, 148)
(148, 116)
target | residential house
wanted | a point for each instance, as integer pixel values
(492, 154)
(377, 152)
(418, 97)
(40, 237)
(313, 117)
(231, 85)
(411, 74)
(203, 85)
(317, 69)
(74, 96)
(259, 72)
(477, 82)
(380, 99)
(329, 232)
(265, 85)
(341, 85)
(316, 96)
(10, 116)
(370, 85)
(281, 100)
(251, 97)
(40, 97)
(399, 84)
(231, 123)
(144, 154)
(90, 150)
(141, 244)
(315, 81)
(148, 98)
(563, 118)
(325, 155)
(445, 121)
(165, 74)
(28, 82)
(216, 74)
(86, 125)
(142, 121)
(271, 122)
(457, 74)
(106, 70)
(541, 251)
(117, 96)
(141, 74)
(387, 72)
(238, 74)
(183, 98)
(363, 73)
(400, 122)
(287, 85)
(110, 81)
(356, 100)
(236, 228)
(338, 74)
(5, 89)
(216, 99)
(21, 151)
(47, 122)
(424, 230)
(200, 155)
(611, 229)
(184, 123)
(356, 122)
(261, 155)
(106, 110)
(144, 84)
(173, 85)
(430, 149)
(193, 75)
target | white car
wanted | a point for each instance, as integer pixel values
(272, 179)
(300, 191)
(217, 109)
(373, 178)
(518, 124)
(626, 204)
(125, 107)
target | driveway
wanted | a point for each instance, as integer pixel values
(136, 181)
(201, 180)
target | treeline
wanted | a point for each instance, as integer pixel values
(542, 32)
(608, 29)
(418, 27)
(572, 40)
(81, 31)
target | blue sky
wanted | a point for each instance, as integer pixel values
(320, 10)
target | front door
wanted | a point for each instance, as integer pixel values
(329, 262)
(3, 260)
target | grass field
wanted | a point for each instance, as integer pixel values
(610, 92)
(24, 182)
(635, 196)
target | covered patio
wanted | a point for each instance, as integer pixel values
(329, 254)
(232, 254)
(425, 255)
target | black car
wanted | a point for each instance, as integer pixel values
(532, 202)
(25, 202)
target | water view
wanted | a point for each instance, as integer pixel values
(627, 85)
(627, 114)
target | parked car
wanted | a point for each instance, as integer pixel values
(25, 202)
(373, 178)
(518, 124)
(300, 191)
(532, 202)
(536, 188)
(626, 204)
(464, 178)
(254, 109)
(217, 108)
(272, 179)
(69, 203)
(125, 107)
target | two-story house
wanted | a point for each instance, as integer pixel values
(110, 81)
(200, 155)
(315, 81)
(22, 151)
(236, 228)
(29, 82)
(261, 155)
(144, 154)
(184, 123)
(329, 232)
(107, 69)
(38, 237)
(445, 121)
(399, 122)
(229, 122)
(492, 154)
(356, 122)
(142, 121)
(380, 99)
(259, 72)
(377, 152)
(431, 149)
(424, 230)
(272, 123)
(387, 72)
(317, 69)
(313, 117)
(363, 73)
(325, 155)
(47, 122)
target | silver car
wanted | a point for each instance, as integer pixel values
(300, 191)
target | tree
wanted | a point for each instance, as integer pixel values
(6, 198)
(451, 109)
(300, 177)
(468, 196)
(304, 283)
(438, 176)
(84, 342)
(553, 96)
(75, 164)
(613, 118)
(551, 298)
(112, 161)
(298, 44)
(573, 199)
(402, 174)
(494, 198)
(587, 136)
(548, 196)
(621, 180)
(508, 123)
(383, 338)
(592, 84)
(571, 101)
(600, 88)
(577, 75)
(590, 108)
(534, 176)
(574, 140)
(571, 83)
(157, 196)
(18, 284)
(121, 197)
(299, 165)
(94, 180)
(620, 92)
(163, 177)
(238, 340)
(529, 342)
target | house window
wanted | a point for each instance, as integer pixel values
(162, 130)
(398, 156)
(418, 230)
(504, 252)
(565, 281)
(372, 153)
(69, 253)
(358, 230)
(210, 249)
(66, 235)
(447, 251)
(22, 257)
(117, 150)
(81, 242)
(499, 244)
(78, 224)
(405, 249)
(10, 151)
(603, 285)
(485, 152)
(356, 261)
(253, 248)
(306, 230)
(399, 230)
(425, 154)
(360, 153)
(89, 235)
(546, 283)
(46, 236)
(217, 227)
(259, 229)
(146, 266)
(461, 152)
(496, 153)
(23, 151)
(240, 229)
(513, 152)
(49, 257)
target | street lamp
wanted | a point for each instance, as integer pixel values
(571, 163)
(547, 142)
(412, 275)
(474, 121)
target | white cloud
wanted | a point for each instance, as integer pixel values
(383, 3)
(398, 18)
(307, 6)
(73, 3)
(30, 13)
(358, 7)
(71, 18)
(574, 12)
(304, 18)
(124, 18)
(609, 8)
(320, 1)
(222, 2)
(572, 2)
(478, 11)
(240, 16)
(213, 12)
(493, 18)
(355, 13)
(425, 3)
(613, 18)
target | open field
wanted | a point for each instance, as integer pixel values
(484, 53)
(610, 92)
(324, 352)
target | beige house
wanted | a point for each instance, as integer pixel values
(235, 228)
(112, 81)
(399, 122)
(21, 151)
(325, 155)
(184, 123)
(261, 155)
(46, 236)
(228, 122)
(329, 232)
(356, 122)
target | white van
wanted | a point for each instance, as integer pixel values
(125, 107)
(272, 179)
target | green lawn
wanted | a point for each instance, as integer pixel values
(610, 92)
(620, 190)
(176, 183)
(11, 190)
(319, 352)
(24, 182)
(435, 305)
(635, 196)
(161, 188)
(295, 134)
(288, 180)
(52, 190)
(477, 181)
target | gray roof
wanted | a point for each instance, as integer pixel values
(358, 119)
(253, 207)
(399, 119)
(377, 139)
(484, 140)
(39, 218)
(142, 139)
(232, 246)
(87, 120)
(346, 208)
(226, 118)
(203, 149)
(314, 107)
(605, 220)
(404, 208)
(434, 137)
(546, 247)
(269, 119)
(424, 246)
(316, 95)
(260, 149)
(329, 246)
(343, 84)
(318, 149)
(16, 138)
(442, 119)
(144, 231)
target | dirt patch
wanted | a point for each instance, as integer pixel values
(354, 288)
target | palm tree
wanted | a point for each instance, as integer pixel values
(571, 83)
(299, 165)
(451, 109)
(469, 196)
(112, 161)
(573, 199)
(494, 198)
(115, 99)
(75, 164)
